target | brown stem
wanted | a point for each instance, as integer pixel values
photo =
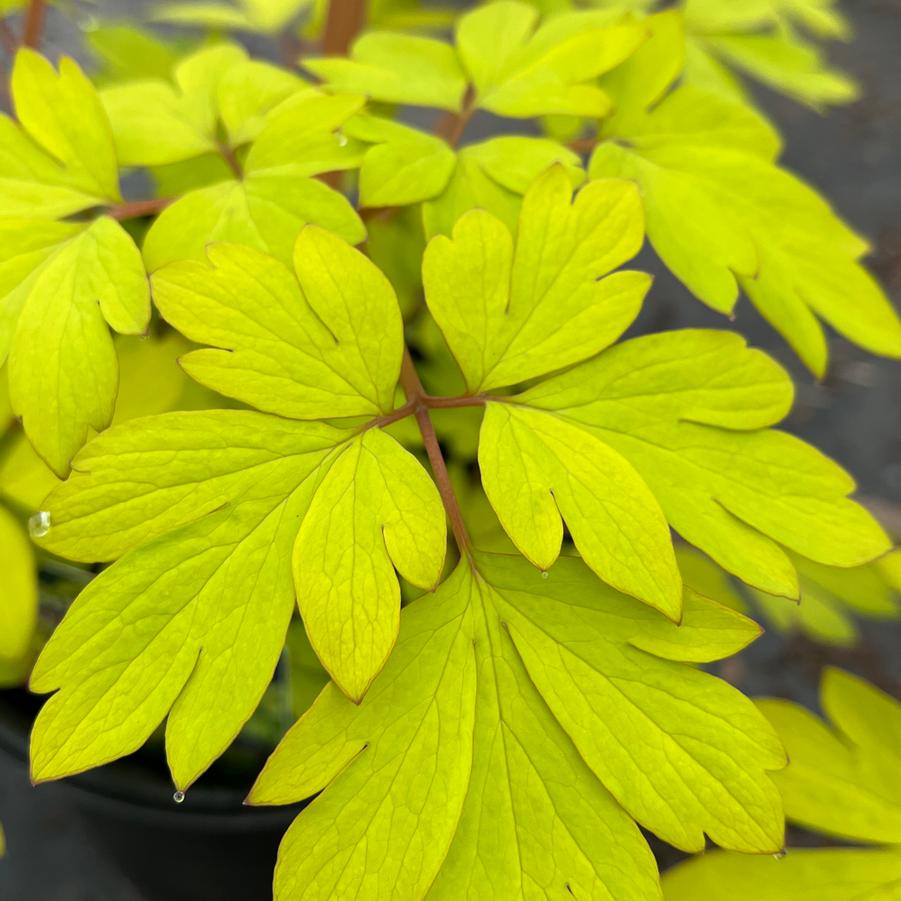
(8, 40)
(135, 209)
(466, 400)
(452, 125)
(583, 145)
(229, 156)
(345, 20)
(409, 381)
(34, 23)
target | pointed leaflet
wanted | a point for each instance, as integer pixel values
(269, 17)
(61, 284)
(276, 195)
(513, 311)
(193, 617)
(515, 67)
(322, 341)
(210, 508)
(689, 410)
(493, 176)
(721, 215)
(842, 780)
(806, 874)
(480, 765)
(60, 158)
(156, 122)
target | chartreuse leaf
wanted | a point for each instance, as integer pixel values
(722, 216)
(842, 780)
(512, 65)
(303, 343)
(396, 68)
(513, 311)
(126, 52)
(59, 158)
(493, 176)
(518, 728)
(19, 595)
(805, 874)
(260, 16)
(156, 122)
(62, 284)
(688, 410)
(829, 598)
(209, 508)
(276, 195)
(759, 39)
(403, 166)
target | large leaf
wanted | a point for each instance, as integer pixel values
(61, 285)
(722, 216)
(519, 726)
(275, 196)
(843, 777)
(512, 312)
(301, 343)
(60, 158)
(210, 508)
(688, 410)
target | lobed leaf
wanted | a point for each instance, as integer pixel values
(842, 777)
(689, 410)
(19, 596)
(469, 738)
(303, 344)
(206, 508)
(62, 284)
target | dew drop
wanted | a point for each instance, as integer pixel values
(780, 854)
(39, 524)
(178, 797)
(544, 574)
(341, 138)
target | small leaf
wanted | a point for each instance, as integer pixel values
(396, 68)
(842, 779)
(277, 194)
(63, 284)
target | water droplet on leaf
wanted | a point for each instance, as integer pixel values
(780, 854)
(178, 797)
(341, 139)
(544, 574)
(39, 524)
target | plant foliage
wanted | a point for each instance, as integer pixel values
(355, 296)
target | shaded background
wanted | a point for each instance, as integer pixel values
(853, 155)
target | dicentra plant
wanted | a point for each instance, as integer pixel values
(374, 308)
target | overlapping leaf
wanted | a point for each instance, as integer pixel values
(18, 596)
(663, 428)
(519, 726)
(276, 194)
(209, 509)
(722, 215)
(62, 283)
(841, 780)
(256, 16)
(156, 121)
(829, 599)
(512, 65)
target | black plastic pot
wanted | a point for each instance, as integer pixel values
(208, 848)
